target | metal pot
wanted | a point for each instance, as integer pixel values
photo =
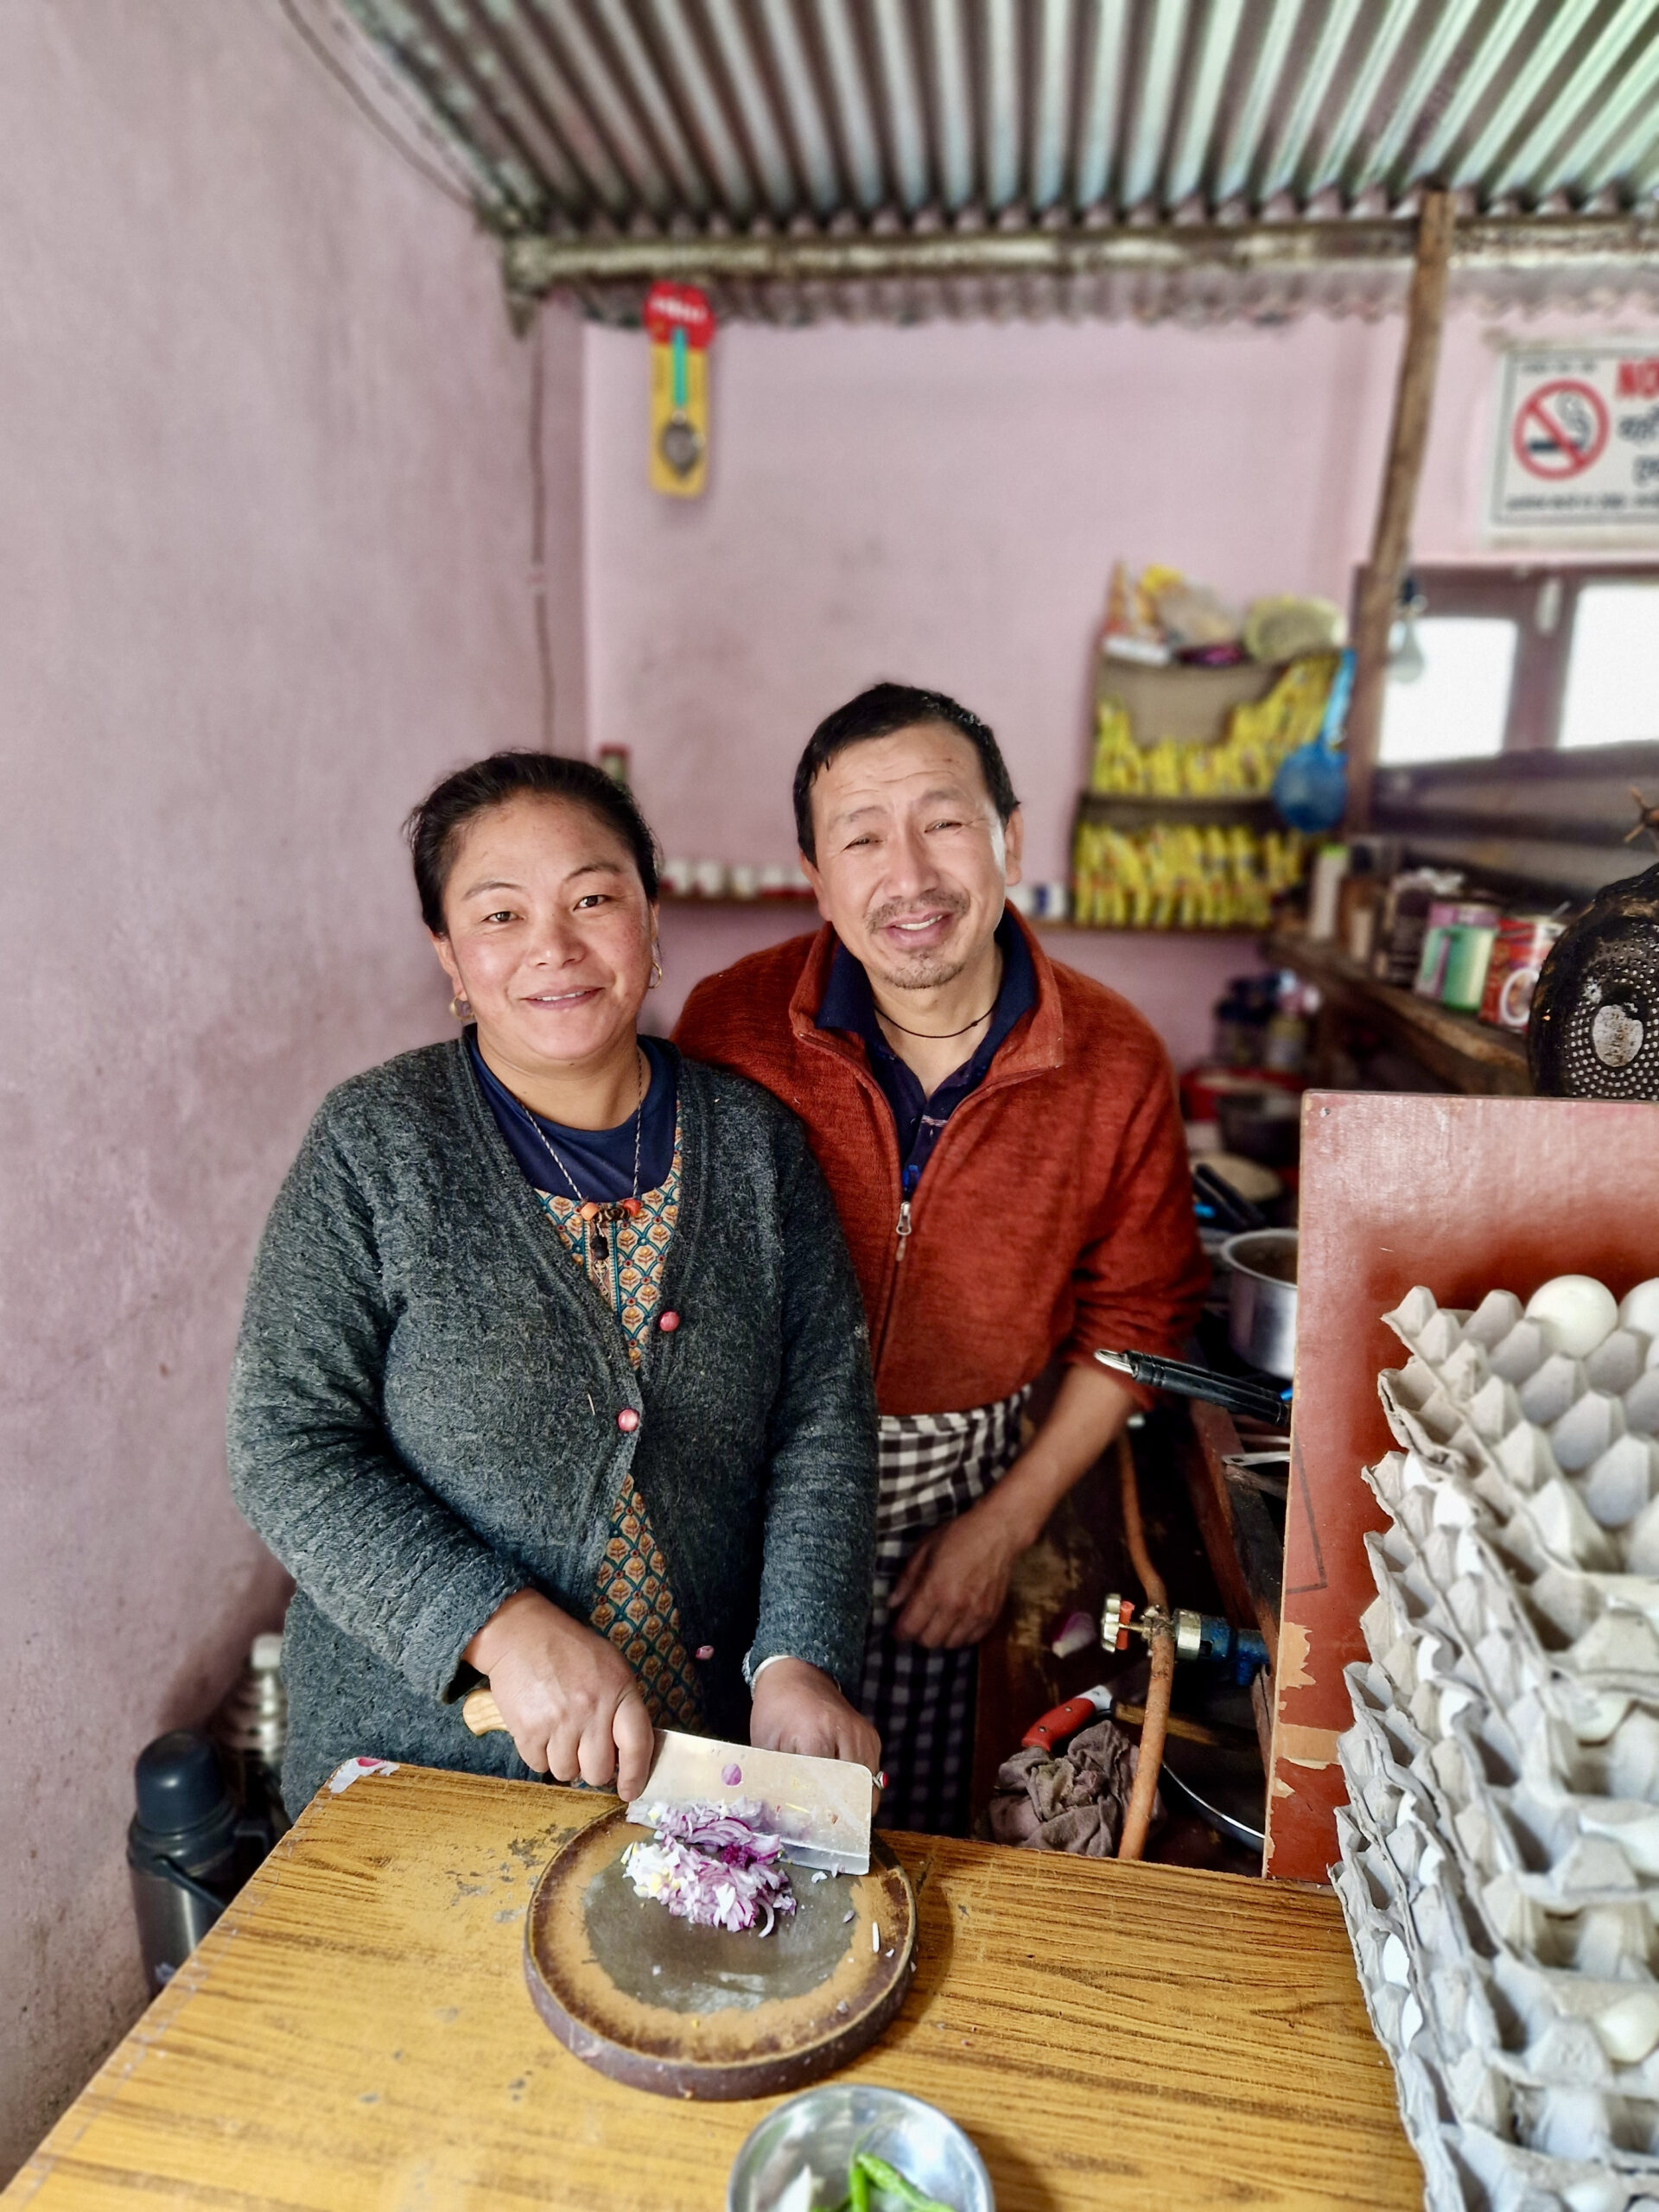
(1261, 1299)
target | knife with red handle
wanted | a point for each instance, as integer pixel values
(1063, 1720)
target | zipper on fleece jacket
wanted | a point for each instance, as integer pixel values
(904, 1226)
(907, 1183)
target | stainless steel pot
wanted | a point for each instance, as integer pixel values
(1261, 1299)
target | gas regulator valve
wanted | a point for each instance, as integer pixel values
(1198, 1636)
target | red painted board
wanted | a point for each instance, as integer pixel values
(1465, 1195)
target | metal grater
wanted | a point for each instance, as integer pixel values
(1594, 1030)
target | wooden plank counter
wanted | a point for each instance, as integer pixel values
(356, 2032)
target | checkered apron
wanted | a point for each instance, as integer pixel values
(933, 1466)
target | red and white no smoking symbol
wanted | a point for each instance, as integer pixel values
(1561, 430)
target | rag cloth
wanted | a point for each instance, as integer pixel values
(931, 1468)
(1074, 1801)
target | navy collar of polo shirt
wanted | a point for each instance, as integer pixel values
(848, 1004)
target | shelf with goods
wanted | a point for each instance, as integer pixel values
(1470, 1055)
(1211, 865)
(1177, 828)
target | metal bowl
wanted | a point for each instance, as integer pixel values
(823, 2127)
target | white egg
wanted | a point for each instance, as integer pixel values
(1641, 1307)
(1575, 1311)
(1629, 2028)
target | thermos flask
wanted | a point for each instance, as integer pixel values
(181, 1849)
(250, 1728)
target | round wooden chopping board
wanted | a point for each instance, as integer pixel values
(690, 2012)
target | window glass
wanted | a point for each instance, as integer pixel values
(1457, 708)
(1612, 679)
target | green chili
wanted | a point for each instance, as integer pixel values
(875, 2172)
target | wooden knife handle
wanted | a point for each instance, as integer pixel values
(482, 1713)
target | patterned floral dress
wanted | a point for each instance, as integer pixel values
(634, 1603)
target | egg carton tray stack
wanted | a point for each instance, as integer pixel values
(1499, 1866)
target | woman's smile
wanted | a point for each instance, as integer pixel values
(562, 1000)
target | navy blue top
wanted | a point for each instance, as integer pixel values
(600, 1162)
(848, 1004)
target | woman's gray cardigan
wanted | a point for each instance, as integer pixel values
(423, 1412)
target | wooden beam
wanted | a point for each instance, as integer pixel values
(1488, 247)
(1408, 436)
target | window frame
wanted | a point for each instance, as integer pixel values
(1513, 591)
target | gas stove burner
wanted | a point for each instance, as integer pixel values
(1594, 1032)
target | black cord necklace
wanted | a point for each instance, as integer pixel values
(937, 1036)
(600, 1215)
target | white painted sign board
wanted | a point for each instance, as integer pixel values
(1576, 452)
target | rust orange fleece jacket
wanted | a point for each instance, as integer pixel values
(1055, 1214)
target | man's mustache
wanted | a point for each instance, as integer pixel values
(899, 910)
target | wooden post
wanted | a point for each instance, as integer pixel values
(1408, 436)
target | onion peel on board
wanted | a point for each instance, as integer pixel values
(715, 1866)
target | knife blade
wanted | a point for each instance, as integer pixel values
(821, 1809)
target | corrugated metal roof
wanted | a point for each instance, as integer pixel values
(604, 138)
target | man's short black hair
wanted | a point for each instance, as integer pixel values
(879, 712)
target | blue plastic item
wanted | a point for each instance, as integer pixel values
(1310, 788)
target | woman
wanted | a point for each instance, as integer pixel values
(553, 1371)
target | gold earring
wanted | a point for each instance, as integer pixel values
(459, 1008)
(655, 972)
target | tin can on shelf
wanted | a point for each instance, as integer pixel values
(1468, 954)
(1450, 923)
(1403, 921)
(1431, 958)
(1523, 947)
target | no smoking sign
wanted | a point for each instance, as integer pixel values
(1560, 431)
(1578, 446)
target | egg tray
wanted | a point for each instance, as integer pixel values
(1548, 1517)
(1611, 1746)
(1486, 2144)
(1509, 1645)
(1522, 1877)
(1500, 1851)
(1569, 1836)
(1429, 1492)
(1600, 1629)
(1583, 1912)
(1486, 1383)
(1505, 2039)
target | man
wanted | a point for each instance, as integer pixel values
(1002, 1139)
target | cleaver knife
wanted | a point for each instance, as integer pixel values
(819, 1809)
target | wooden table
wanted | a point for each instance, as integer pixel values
(356, 2032)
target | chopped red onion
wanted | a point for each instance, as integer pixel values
(712, 1864)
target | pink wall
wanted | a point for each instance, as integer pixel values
(262, 573)
(944, 504)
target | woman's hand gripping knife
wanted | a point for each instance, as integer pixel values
(798, 1709)
(568, 1697)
